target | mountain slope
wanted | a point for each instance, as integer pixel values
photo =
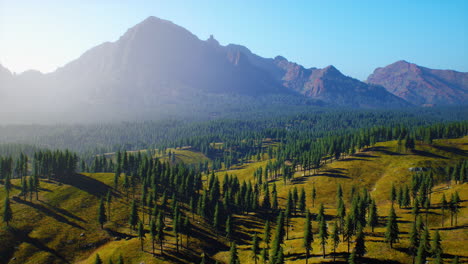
(159, 68)
(327, 84)
(420, 85)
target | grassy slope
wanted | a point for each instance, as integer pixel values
(51, 228)
(376, 169)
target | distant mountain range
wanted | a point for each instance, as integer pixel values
(156, 64)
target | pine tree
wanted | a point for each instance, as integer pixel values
(280, 256)
(153, 233)
(265, 255)
(121, 260)
(414, 240)
(352, 257)
(436, 247)
(348, 230)
(279, 237)
(341, 213)
(392, 231)
(373, 220)
(98, 260)
(308, 236)
(255, 248)
(7, 212)
(234, 258)
(302, 201)
(360, 247)
(228, 227)
(141, 233)
(438, 259)
(314, 195)
(321, 213)
(160, 230)
(443, 206)
(102, 218)
(335, 239)
(323, 234)
(133, 220)
(267, 234)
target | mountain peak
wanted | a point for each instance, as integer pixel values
(331, 71)
(421, 85)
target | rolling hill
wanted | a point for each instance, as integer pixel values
(61, 226)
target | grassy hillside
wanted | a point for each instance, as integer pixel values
(62, 227)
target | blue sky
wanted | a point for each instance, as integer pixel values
(355, 36)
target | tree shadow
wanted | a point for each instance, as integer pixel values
(385, 150)
(48, 212)
(87, 184)
(453, 150)
(428, 154)
(65, 212)
(23, 236)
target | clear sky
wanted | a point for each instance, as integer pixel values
(355, 36)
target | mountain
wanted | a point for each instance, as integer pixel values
(158, 67)
(327, 84)
(420, 85)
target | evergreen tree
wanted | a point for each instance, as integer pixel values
(335, 239)
(392, 231)
(348, 230)
(308, 236)
(265, 255)
(266, 234)
(414, 240)
(133, 220)
(228, 227)
(234, 258)
(341, 213)
(102, 218)
(141, 233)
(153, 233)
(255, 248)
(360, 247)
(302, 201)
(436, 247)
(280, 256)
(314, 195)
(373, 220)
(98, 260)
(121, 260)
(323, 234)
(443, 206)
(279, 237)
(7, 212)
(321, 213)
(160, 230)
(352, 257)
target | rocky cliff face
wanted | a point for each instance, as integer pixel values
(422, 86)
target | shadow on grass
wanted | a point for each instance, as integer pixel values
(48, 212)
(428, 154)
(87, 184)
(23, 236)
(64, 212)
(385, 150)
(453, 150)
